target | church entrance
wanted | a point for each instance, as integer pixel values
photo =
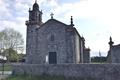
(52, 58)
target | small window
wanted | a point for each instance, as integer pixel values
(52, 38)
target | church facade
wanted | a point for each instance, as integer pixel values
(53, 42)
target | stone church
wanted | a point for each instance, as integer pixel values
(53, 42)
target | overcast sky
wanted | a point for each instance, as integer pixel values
(96, 20)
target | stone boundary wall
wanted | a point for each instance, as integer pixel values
(95, 71)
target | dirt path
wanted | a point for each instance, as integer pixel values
(6, 74)
(3, 77)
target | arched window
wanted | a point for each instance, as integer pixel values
(52, 37)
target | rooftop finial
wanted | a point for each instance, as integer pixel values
(35, 1)
(51, 15)
(111, 42)
(72, 21)
(110, 38)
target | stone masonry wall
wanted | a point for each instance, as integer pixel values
(46, 45)
(94, 71)
(86, 56)
(115, 54)
(31, 43)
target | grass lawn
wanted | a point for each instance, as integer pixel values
(43, 77)
(7, 67)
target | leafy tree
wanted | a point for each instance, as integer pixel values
(11, 42)
(11, 55)
(12, 39)
(21, 57)
(1, 42)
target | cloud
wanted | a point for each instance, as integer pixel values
(100, 19)
(4, 11)
(96, 20)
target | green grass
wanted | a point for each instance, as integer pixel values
(7, 67)
(43, 77)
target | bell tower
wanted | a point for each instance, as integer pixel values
(35, 21)
(35, 15)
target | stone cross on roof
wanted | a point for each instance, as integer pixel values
(51, 15)
(35, 1)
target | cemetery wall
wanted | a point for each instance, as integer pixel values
(94, 71)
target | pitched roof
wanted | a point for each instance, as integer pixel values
(116, 46)
(54, 21)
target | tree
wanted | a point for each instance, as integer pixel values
(1, 42)
(21, 57)
(11, 40)
(99, 59)
(11, 55)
